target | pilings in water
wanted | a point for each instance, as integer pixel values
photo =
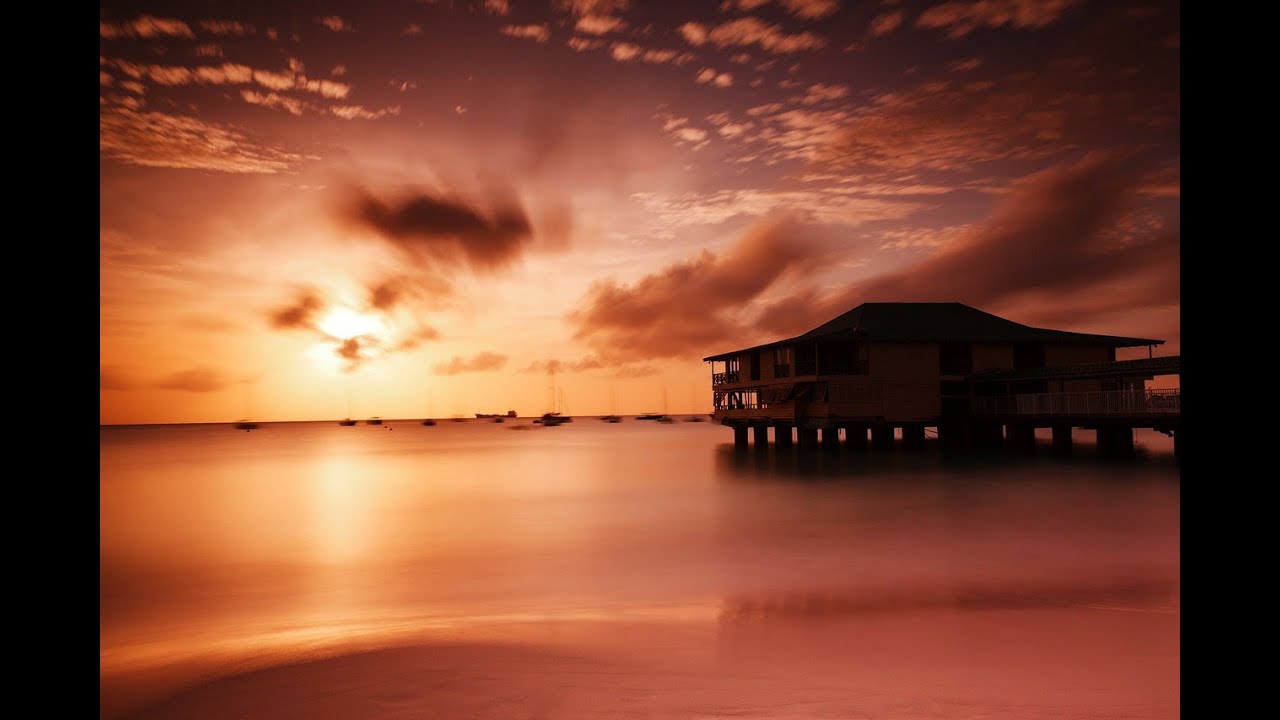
(1115, 439)
(1020, 436)
(855, 436)
(882, 436)
(831, 438)
(1062, 439)
(740, 436)
(782, 436)
(913, 435)
(761, 432)
(808, 436)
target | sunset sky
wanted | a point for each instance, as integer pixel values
(426, 206)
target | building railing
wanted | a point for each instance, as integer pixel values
(724, 378)
(781, 371)
(1106, 402)
(806, 367)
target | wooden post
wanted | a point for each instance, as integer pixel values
(913, 435)
(739, 436)
(1062, 438)
(882, 435)
(856, 436)
(808, 436)
(831, 438)
(761, 433)
(782, 436)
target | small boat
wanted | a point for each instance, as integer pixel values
(373, 421)
(347, 423)
(650, 416)
(458, 418)
(498, 418)
(552, 419)
(511, 413)
(246, 425)
(429, 422)
(666, 419)
(611, 418)
(695, 418)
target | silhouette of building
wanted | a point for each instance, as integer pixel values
(974, 376)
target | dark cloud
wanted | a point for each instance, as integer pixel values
(1055, 233)
(446, 229)
(688, 305)
(111, 377)
(424, 333)
(196, 380)
(590, 362)
(636, 371)
(300, 314)
(480, 362)
(391, 292)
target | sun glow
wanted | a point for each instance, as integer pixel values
(345, 323)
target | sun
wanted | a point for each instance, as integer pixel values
(345, 323)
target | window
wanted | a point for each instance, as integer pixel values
(1028, 355)
(782, 362)
(955, 359)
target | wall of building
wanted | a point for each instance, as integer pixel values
(989, 356)
(1074, 354)
(907, 375)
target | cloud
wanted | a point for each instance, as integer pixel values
(806, 9)
(446, 229)
(822, 92)
(291, 78)
(751, 31)
(196, 380)
(599, 24)
(624, 51)
(583, 44)
(388, 293)
(1066, 231)
(111, 377)
(227, 27)
(301, 314)
(497, 7)
(966, 65)
(412, 29)
(959, 18)
(272, 100)
(694, 33)
(359, 112)
(708, 76)
(885, 23)
(156, 139)
(480, 362)
(334, 23)
(145, 26)
(208, 50)
(827, 206)
(652, 318)
(630, 372)
(549, 367)
(538, 33)
(338, 70)
(424, 333)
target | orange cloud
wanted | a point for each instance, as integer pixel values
(959, 18)
(480, 362)
(196, 380)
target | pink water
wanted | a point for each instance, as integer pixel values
(630, 570)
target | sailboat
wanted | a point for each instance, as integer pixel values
(693, 407)
(665, 418)
(246, 424)
(612, 417)
(553, 418)
(348, 422)
(431, 408)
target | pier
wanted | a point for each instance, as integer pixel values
(889, 374)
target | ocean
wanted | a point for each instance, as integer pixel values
(631, 570)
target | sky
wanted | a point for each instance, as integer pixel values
(412, 209)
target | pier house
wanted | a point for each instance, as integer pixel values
(884, 370)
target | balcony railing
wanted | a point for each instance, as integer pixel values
(806, 367)
(724, 378)
(781, 371)
(1108, 402)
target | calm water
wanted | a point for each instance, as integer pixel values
(631, 570)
